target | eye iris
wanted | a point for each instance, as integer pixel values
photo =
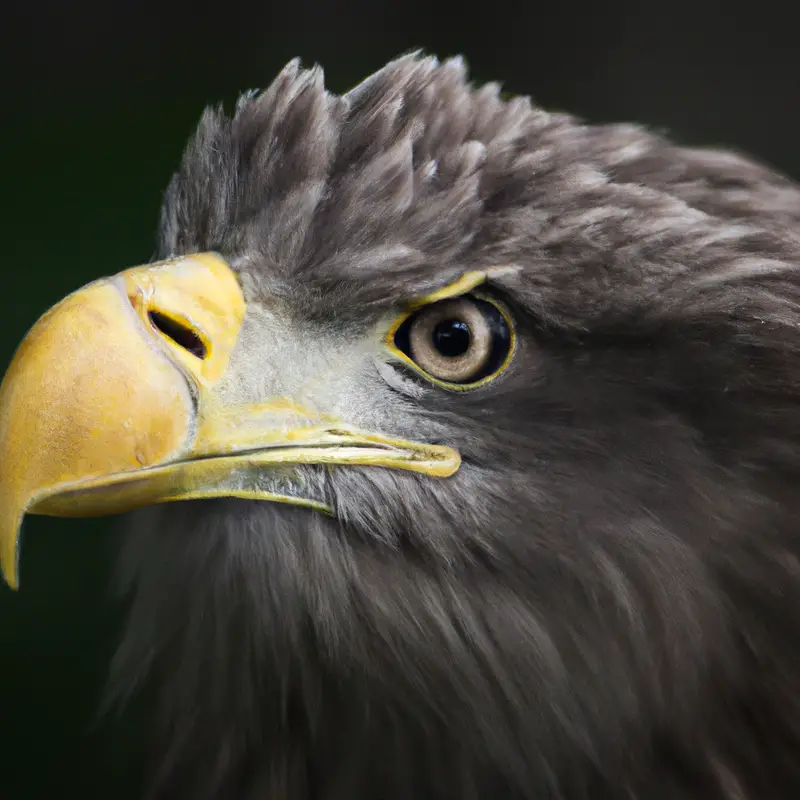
(459, 343)
(452, 337)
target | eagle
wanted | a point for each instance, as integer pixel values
(457, 444)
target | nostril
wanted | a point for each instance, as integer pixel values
(180, 333)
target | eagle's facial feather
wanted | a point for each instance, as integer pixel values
(570, 612)
(602, 601)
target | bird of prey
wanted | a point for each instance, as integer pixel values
(484, 425)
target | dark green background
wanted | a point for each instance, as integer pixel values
(98, 100)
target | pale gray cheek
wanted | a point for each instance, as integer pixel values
(395, 379)
(329, 372)
(267, 362)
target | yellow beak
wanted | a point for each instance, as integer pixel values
(107, 406)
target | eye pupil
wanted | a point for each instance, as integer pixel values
(452, 337)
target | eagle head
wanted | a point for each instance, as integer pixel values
(461, 443)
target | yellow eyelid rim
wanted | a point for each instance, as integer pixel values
(464, 285)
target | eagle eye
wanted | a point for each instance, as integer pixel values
(459, 343)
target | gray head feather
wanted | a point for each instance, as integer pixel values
(603, 602)
(415, 168)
